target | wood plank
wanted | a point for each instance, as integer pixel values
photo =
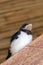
(3, 52)
(4, 45)
(3, 57)
(12, 23)
(2, 0)
(20, 5)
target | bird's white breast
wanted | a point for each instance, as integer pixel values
(20, 43)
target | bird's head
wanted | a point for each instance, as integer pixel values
(26, 26)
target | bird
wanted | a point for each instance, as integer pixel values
(20, 39)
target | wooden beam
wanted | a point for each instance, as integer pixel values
(32, 54)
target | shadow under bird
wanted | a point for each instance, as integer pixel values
(20, 39)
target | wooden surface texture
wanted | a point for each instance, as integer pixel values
(13, 13)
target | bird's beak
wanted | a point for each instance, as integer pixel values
(29, 27)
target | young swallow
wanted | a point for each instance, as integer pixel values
(20, 39)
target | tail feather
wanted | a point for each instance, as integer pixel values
(9, 54)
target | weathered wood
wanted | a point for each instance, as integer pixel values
(30, 55)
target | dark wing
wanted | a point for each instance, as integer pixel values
(15, 36)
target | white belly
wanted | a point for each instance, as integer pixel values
(20, 43)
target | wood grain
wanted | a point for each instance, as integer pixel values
(13, 13)
(30, 55)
